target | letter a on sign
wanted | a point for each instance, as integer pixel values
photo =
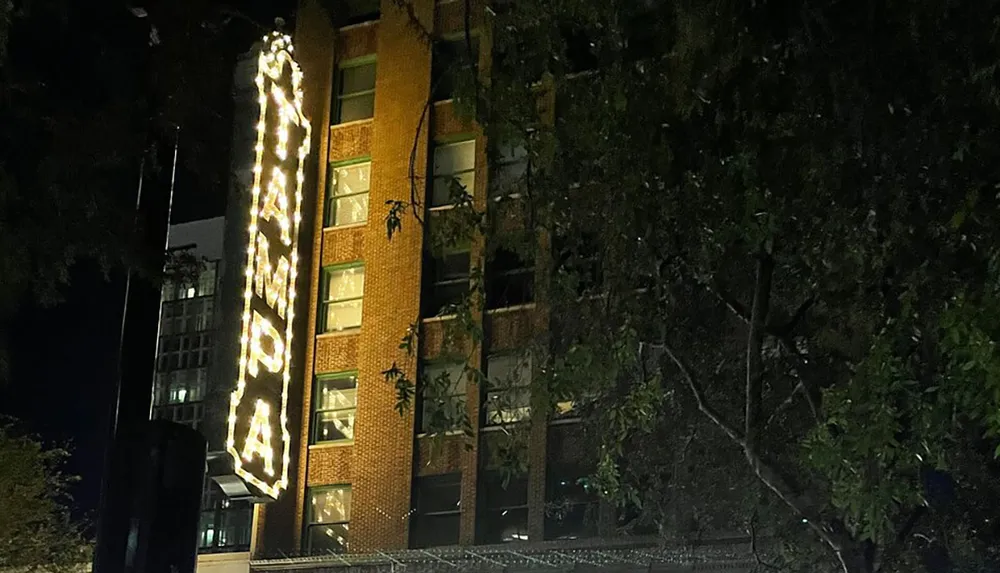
(259, 437)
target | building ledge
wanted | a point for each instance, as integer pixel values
(630, 553)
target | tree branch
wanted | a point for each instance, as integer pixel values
(755, 340)
(699, 395)
(892, 551)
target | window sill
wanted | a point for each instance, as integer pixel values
(439, 318)
(503, 427)
(371, 22)
(329, 445)
(339, 333)
(422, 435)
(565, 421)
(514, 308)
(344, 227)
(352, 123)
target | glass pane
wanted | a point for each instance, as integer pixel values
(442, 295)
(505, 526)
(508, 406)
(454, 372)
(434, 530)
(357, 79)
(206, 281)
(335, 425)
(357, 107)
(451, 266)
(328, 538)
(449, 159)
(349, 210)
(439, 494)
(351, 179)
(341, 315)
(330, 505)
(441, 191)
(336, 393)
(507, 370)
(345, 284)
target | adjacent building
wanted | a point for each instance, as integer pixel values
(185, 379)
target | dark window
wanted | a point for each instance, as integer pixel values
(503, 508)
(570, 510)
(349, 12)
(355, 92)
(510, 171)
(450, 59)
(580, 51)
(328, 519)
(510, 280)
(446, 281)
(437, 511)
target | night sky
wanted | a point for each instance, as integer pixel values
(63, 358)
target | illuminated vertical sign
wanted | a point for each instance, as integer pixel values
(258, 438)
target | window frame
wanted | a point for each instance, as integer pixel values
(455, 141)
(329, 208)
(525, 387)
(463, 396)
(324, 302)
(309, 523)
(452, 479)
(527, 268)
(316, 410)
(339, 96)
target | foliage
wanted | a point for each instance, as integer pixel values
(35, 527)
(774, 258)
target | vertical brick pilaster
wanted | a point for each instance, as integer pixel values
(314, 37)
(383, 451)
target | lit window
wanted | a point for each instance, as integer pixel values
(508, 398)
(329, 515)
(206, 280)
(443, 395)
(355, 92)
(343, 292)
(335, 402)
(454, 163)
(437, 511)
(347, 196)
(510, 280)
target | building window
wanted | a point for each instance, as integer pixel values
(437, 511)
(202, 285)
(335, 403)
(225, 524)
(355, 92)
(183, 351)
(510, 280)
(508, 399)
(442, 397)
(510, 171)
(451, 59)
(347, 194)
(180, 316)
(570, 510)
(454, 164)
(329, 515)
(503, 513)
(446, 281)
(342, 293)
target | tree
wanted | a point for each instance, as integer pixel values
(771, 261)
(36, 531)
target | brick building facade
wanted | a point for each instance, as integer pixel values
(369, 489)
